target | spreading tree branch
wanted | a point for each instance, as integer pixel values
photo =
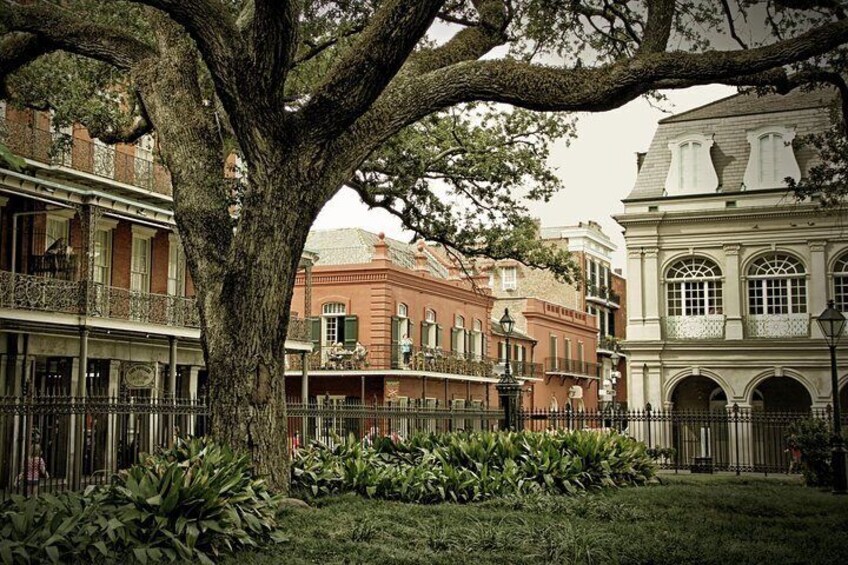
(271, 30)
(60, 29)
(18, 49)
(658, 26)
(369, 65)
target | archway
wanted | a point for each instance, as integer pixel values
(781, 394)
(698, 392)
(843, 397)
(699, 423)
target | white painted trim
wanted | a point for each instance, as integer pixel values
(785, 161)
(143, 232)
(707, 179)
(107, 224)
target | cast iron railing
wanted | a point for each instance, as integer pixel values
(45, 294)
(777, 325)
(562, 365)
(694, 327)
(107, 161)
(391, 357)
(602, 293)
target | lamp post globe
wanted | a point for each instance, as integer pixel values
(832, 323)
(508, 387)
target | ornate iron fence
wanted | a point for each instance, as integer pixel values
(566, 366)
(603, 293)
(83, 441)
(740, 440)
(694, 327)
(777, 325)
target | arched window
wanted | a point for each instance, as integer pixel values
(840, 283)
(430, 316)
(694, 288)
(691, 169)
(777, 285)
(403, 311)
(459, 322)
(772, 159)
(770, 147)
(334, 309)
(688, 165)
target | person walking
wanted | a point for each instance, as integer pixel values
(34, 470)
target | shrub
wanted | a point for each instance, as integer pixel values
(471, 466)
(812, 437)
(189, 503)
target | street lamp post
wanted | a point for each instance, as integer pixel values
(614, 375)
(508, 387)
(832, 322)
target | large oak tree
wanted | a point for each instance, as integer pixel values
(448, 133)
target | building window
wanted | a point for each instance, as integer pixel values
(430, 316)
(777, 285)
(403, 311)
(333, 318)
(691, 169)
(840, 283)
(693, 288)
(459, 322)
(102, 257)
(509, 278)
(56, 234)
(140, 269)
(176, 268)
(772, 158)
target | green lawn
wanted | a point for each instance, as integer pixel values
(687, 519)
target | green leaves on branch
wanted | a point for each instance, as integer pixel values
(464, 178)
(472, 466)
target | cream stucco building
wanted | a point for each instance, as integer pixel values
(727, 271)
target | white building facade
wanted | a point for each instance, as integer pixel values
(727, 271)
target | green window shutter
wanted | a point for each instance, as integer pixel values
(425, 335)
(351, 329)
(438, 335)
(395, 330)
(455, 336)
(315, 325)
(411, 328)
(467, 338)
(485, 350)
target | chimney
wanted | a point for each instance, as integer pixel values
(381, 250)
(421, 257)
(640, 158)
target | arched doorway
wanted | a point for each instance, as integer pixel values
(843, 397)
(781, 394)
(699, 427)
(776, 402)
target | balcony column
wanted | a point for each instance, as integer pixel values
(818, 278)
(88, 216)
(651, 282)
(732, 293)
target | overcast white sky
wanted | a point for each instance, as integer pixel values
(598, 169)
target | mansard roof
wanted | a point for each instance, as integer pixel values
(727, 122)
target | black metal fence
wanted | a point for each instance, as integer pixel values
(51, 443)
(741, 440)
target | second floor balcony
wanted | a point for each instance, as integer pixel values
(59, 296)
(571, 367)
(111, 163)
(602, 295)
(709, 326)
(777, 325)
(358, 358)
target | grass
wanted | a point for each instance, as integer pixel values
(688, 519)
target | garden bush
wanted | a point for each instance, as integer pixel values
(812, 437)
(188, 503)
(472, 466)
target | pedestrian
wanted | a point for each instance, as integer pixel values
(34, 470)
(406, 350)
(794, 454)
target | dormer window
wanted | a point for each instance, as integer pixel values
(772, 158)
(509, 278)
(691, 169)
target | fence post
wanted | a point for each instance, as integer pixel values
(648, 422)
(736, 435)
(568, 417)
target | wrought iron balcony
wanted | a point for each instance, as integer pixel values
(61, 149)
(603, 295)
(575, 367)
(423, 359)
(608, 344)
(694, 327)
(777, 325)
(45, 294)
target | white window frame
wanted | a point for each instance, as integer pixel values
(140, 240)
(782, 291)
(511, 282)
(703, 178)
(840, 282)
(783, 161)
(176, 266)
(61, 228)
(694, 287)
